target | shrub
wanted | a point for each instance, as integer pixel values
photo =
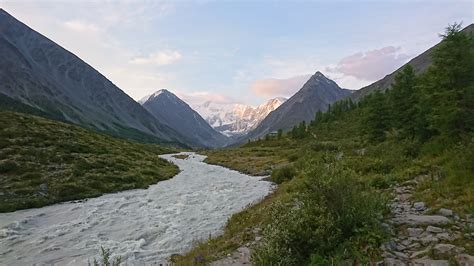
(283, 174)
(330, 216)
(8, 166)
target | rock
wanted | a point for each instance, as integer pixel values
(429, 239)
(414, 231)
(429, 262)
(400, 255)
(434, 229)
(393, 262)
(418, 254)
(419, 206)
(413, 219)
(414, 246)
(444, 236)
(446, 249)
(465, 260)
(445, 212)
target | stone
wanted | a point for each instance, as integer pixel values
(446, 249)
(400, 255)
(445, 212)
(444, 236)
(429, 239)
(465, 260)
(414, 246)
(393, 262)
(434, 229)
(430, 262)
(419, 206)
(414, 231)
(418, 254)
(412, 219)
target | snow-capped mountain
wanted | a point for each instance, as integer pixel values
(236, 119)
(178, 115)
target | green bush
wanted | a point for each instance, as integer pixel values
(7, 166)
(331, 216)
(283, 174)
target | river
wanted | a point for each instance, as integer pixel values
(142, 226)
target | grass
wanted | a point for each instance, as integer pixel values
(44, 162)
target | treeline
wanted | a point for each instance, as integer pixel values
(437, 102)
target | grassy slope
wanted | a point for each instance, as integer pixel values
(378, 165)
(44, 161)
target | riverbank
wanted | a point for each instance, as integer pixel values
(45, 162)
(140, 226)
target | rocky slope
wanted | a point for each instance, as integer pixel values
(236, 119)
(178, 115)
(316, 94)
(38, 72)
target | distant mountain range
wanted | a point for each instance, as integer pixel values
(315, 95)
(236, 119)
(177, 114)
(40, 77)
(41, 74)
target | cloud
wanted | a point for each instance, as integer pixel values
(200, 97)
(278, 87)
(159, 58)
(371, 65)
(81, 26)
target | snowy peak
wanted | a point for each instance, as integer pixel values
(180, 116)
(236, 119)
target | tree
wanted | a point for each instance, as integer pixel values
(279, 134)
(376, 118)
(403, 102)
(449, 83)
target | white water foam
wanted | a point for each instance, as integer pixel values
(143, 226)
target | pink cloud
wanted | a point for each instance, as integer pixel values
(204, 96)
(371, 65)
(278, 87)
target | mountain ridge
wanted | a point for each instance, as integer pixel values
(178, 115)
(236, 119)
(40, 73)
(315, 95)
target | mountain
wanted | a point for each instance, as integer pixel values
(316, 94)
(236, 119)
(167, 107)
(39, 73)
(420, 64)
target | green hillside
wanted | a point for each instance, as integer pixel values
(44, 161)
(337, 174)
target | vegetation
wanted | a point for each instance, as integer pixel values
(334, 172)
(44, 161)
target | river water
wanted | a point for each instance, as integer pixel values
(143, 226)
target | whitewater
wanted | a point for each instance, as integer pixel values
(143, 226)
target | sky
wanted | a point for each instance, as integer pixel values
(240, 51)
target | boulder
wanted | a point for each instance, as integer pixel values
(446, 250)
(465, 260)
(414, 231)
(393, 262)
(419, 206)
(445, 212)
(434, 229)
(430, 262)
(419, 220)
